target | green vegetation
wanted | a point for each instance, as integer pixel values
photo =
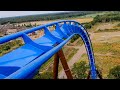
(87, 25)
(114, 73)
(80, 70)
(29, 25)
(73, 52)
(80, 42)
(69, 52)
(106, 52)
(9, 46)
(106, 56)
(43, 17)
(47, 70)
(95, 14)
(106, 62)
(75, 37)
(114, 16)
(108, 17)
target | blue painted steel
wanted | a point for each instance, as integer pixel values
(23, 62)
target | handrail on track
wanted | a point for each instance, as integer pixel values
(24, 71)
(27, 31)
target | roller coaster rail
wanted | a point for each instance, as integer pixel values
(25, 61)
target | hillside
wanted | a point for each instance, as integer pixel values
(43, 17)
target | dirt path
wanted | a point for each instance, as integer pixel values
(75, 58)
(95, 37)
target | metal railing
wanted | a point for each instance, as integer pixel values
(25, 71)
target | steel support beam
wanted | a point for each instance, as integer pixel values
(61, 55)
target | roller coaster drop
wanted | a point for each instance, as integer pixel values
(25, 61)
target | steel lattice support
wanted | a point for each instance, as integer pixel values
(55, 66)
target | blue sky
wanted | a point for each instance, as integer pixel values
(22, 13)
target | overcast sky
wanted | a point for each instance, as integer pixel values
(22, 13)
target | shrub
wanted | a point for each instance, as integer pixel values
(74, 38)
(114, 73)
(7, 47)
(88, 25)
(80, 69)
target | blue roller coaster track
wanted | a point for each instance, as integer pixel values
(25, 61)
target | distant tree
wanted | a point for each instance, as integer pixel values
(25, 25)
(43, 17)
(88, 25)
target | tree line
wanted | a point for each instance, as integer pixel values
(113, 16)
(43, 17)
